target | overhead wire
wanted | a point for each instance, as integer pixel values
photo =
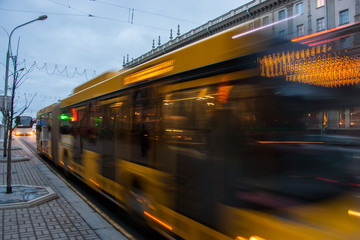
(80, 15)
(68, 6)
(37, 12)
(144, 11)
(101, 17)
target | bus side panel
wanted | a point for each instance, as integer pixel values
(55, 133)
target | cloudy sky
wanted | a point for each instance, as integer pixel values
(84, 38)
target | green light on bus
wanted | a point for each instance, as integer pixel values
(63, 117)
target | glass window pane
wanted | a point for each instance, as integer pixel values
(282, 15)
(320, 3)
(344, 17)
(299, 8)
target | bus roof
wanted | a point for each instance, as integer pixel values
(214, 49)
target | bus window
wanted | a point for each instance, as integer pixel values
(65, 121)
(188, 117)
(143, 127)
(110, 119)
(91, 124)
(119, 115)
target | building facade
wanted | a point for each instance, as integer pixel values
(287, 19)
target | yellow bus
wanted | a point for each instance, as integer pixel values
(225, 138)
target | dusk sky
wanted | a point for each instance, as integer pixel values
(84, 38)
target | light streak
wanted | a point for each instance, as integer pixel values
(263, 27)
(150, 72)
(353, 213)
(158, 220)
(327, 180)
(240, 238)
(321, 33)
(94, 182)
(325, 41)
(289, 142)
(256, 238)
(314, 66)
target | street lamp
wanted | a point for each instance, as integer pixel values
(6, 110)
(41, 18)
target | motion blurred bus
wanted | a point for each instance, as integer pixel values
(236, 136)
(23, 125)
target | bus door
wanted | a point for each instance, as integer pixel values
(110, 114)
(187, 125)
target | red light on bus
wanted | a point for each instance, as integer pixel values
(74, 115)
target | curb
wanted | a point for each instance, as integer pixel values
(15, 158)
(37, 201)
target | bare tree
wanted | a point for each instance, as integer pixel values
(18, 80)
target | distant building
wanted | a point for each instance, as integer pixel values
(313, 16)
(288, 19)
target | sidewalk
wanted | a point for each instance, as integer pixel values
(66, 217)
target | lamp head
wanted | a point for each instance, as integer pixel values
(42, 18)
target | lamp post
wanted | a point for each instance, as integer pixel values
(8, 120)
(6, 112)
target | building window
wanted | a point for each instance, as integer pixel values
(300, 30)
(320, 24)
(320, 3)
(282, 14)
(251, 26)
(299, 8)
(265, 20)
(282, 33)
(344, 17)
(345, 43)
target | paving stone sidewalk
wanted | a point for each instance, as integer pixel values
(67, 217)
